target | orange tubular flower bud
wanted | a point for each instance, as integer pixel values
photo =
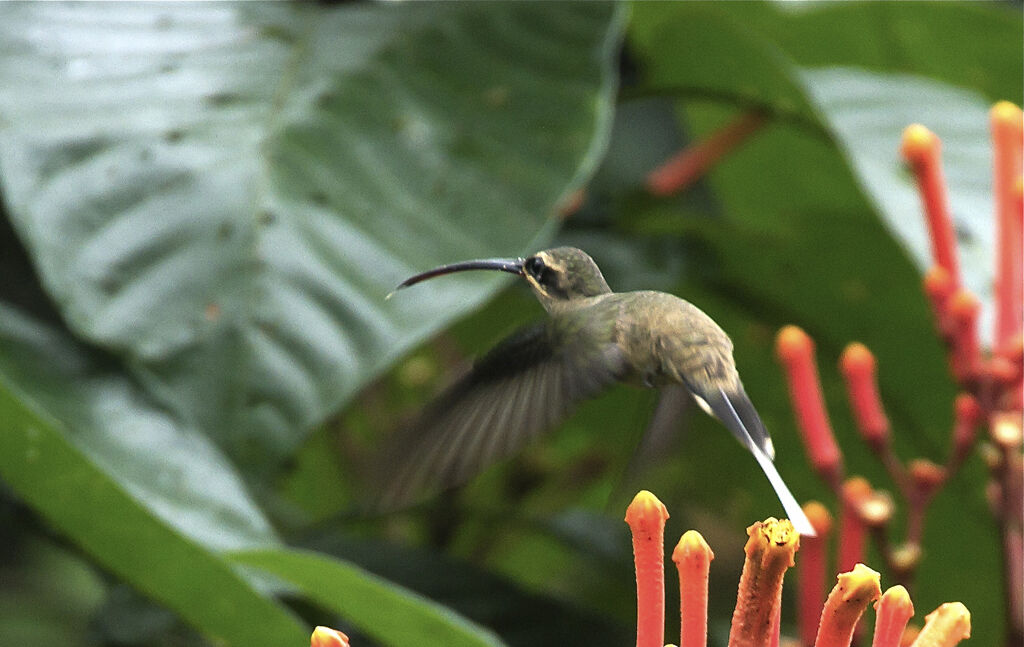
(964, 309)
(1005, 121)
(769, 552)
(811, 572)
(852, 530)
(692, 163)
(938, 285)
(646, 517)
(796, 352)
(847, 601)
(857, 365)
(892, 612)
(693, 556)
(327, 637)
(925, 479)
(945, 627)
(921, 149)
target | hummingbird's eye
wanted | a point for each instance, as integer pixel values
(536, 268)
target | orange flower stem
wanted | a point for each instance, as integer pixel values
(693, 556)
(769, 550)
(892, 612)
(795, 350)
(853, 592)
(811, 572)
(646, 517)
(1005, 120)
(693, 162)
(775, 633)
(921, 149)
(967, 416)
(938, 286)
(965, 355)
(945, 627)
(852, 530)
(926, 479)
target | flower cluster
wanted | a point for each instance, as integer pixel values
(770, 551)
(991, 383)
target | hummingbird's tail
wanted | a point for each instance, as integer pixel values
(727, 413)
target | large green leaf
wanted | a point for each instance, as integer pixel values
(114, 523)
(172, 470)
(223, 194)
(383, 611)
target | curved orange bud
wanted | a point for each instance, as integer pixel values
(858, 367)
(852, 594)
(892, 613)
(795, 350)
(945, 627)
(1005, 121)
(921, 149)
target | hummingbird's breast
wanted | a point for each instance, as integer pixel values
(670, 341)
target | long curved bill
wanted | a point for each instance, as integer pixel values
(510, 265)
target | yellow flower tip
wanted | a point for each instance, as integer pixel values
(645, 509)
(692, 547)
(774, 539)
(327, 637)
(947, 625)
(918, 142)
(897, 600)
(862, 583)
(819, 516)
(792, 343)
(1006, 112)
(855, 490)
(1018, 187)
(857, 360)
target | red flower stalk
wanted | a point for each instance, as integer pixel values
(857, 365)
(770, 548)
(692, 163)
(853, 592)
(967, 416)
(693, 556)
(938, 285)
(1005, 121)
(921, 149)
(646, 517)
(964, 309)
(811, 573)
(852, 530)
(892, 612)
(327, 637)
(945, 627)
(795, 350)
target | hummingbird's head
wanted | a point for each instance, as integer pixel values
(563, 274)
(557, 276)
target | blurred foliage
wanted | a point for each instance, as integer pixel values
(204, 206)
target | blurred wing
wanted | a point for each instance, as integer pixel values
(520, 389)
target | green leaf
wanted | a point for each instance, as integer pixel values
(868, 111)
(168, 467)
(224, 194)
(382, 610)
(109, 521)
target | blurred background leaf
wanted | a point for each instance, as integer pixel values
(212, 213)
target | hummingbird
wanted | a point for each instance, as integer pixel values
(592, 339)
